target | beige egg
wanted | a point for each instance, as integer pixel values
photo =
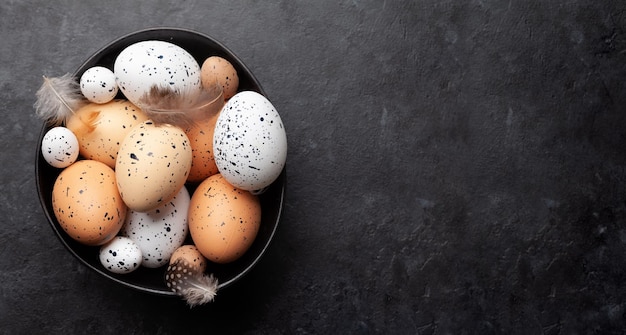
(100, 128)
(192, 255)
(223, 220)
(201, 139)
(152, 165)
(87, 204)
(218, 70)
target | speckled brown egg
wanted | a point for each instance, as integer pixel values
(218, 70)
(201, 139)
(223, 220)
(192, 255)
(100, 128)
(87, 204)
(152, 165)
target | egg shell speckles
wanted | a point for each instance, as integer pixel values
(250, 143)
(59, 147)
(121, 255)
(98, 85)
(159, 232)
(155, 63)
(223, 220)
(87, 204)
(192, 255)
(100, 128)
(152, 165)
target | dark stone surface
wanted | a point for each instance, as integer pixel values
(454, 167)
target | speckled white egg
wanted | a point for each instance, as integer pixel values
(59, 147)
(98, 85)
(121, 255)
(145, 64)
(249, 143)
(160, 232)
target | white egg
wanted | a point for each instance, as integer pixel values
(98, 85)
(249, 143)
(120, 255)
(159, 232)
(59, 147)
(145, 64)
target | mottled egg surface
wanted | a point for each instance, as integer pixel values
(59, 147)
(152, 165)
(192, 255)
(155, 63)
(223, 220)
(98, 84)
(120, 255)
(249, 143)
(100, 128)
(87, 204)
(159, 232)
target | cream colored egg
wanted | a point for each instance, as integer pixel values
(87, 204)
(152, 165)
(100, 128)
(223, 220)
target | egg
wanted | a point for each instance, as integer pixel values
(223, 220)
(249, 143)
(59, 147)
(100, 128)
(145, 64)
(87, 204)
(121, 255)
(201, 139)
(218, 70)
(152, 165)
(159, 232)
(192, 255)
(98, 84)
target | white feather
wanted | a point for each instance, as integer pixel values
(197, 288)
(58, 98)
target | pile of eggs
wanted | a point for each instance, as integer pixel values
(140, 190)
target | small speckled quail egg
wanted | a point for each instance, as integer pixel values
(160, 232)
(98, 85)
(59, 147)
(145, 64)
(249, 143)
(121, 255)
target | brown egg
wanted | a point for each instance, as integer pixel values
(192, 255)
(223, 220)
(100, 128)
(201, 141)
(216, 69)
(87, 204)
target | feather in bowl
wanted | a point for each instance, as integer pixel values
(153, 280)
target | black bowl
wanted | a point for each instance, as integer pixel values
(152, 280)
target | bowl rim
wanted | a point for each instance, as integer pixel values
(51, 220)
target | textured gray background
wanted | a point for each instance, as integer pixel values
(454, 167)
